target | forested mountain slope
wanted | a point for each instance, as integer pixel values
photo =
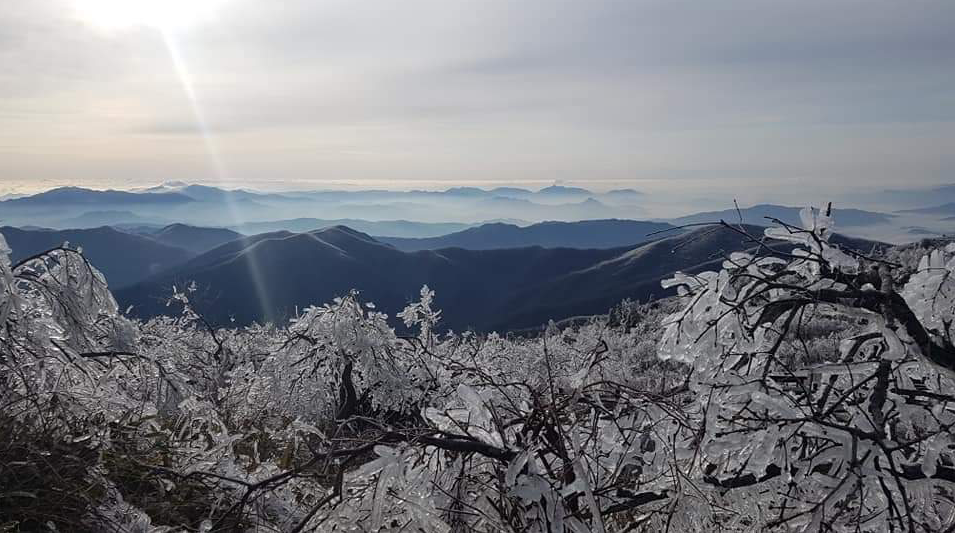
(942, 210)
(277, 273)
(195, 239)
(123, 258)
(79, 196)
(612, 233)
(762, 213)
(269, 277)
(390, 228)
(636, 274)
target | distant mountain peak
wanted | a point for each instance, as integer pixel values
(195, 239)
(560, 189)
(943, 209)
(466, 191)
(81, 195)
(347, 232)
(761, 214)
(140, 256)
(601, 234)
(176, 226)
(504, 191)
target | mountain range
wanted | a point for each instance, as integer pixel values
(762, 214)
(179, 192)
(214, 206)
(583, 234)
(253, 266)
(193, 239)
(908, 198)
(133, 254)
(404, 214)
(947, 209)
(269, 277)
(390, 228)
(95, 219)
(80, 196)
(124, 258)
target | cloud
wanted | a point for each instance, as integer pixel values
(537, 89)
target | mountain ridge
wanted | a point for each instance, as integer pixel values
(124, 258)
(760, 215)
(267, 277)
(193, 238)
(607, 233)
(83, 196)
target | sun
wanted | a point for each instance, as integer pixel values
(159, 14)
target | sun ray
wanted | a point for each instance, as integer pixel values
(216, 162)
(188, 88)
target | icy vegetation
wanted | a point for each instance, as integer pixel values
(801, 387)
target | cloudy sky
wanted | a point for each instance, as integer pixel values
(729, 95)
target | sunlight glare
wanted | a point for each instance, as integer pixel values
(160, 14)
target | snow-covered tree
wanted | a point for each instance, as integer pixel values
(802, 387)
(851, 434)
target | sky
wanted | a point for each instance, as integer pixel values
(755, 97)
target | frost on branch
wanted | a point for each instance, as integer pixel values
(930, 292)
(795, 389)
(7, 295)
(857, 418)
(330, 421)
(422, 315)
